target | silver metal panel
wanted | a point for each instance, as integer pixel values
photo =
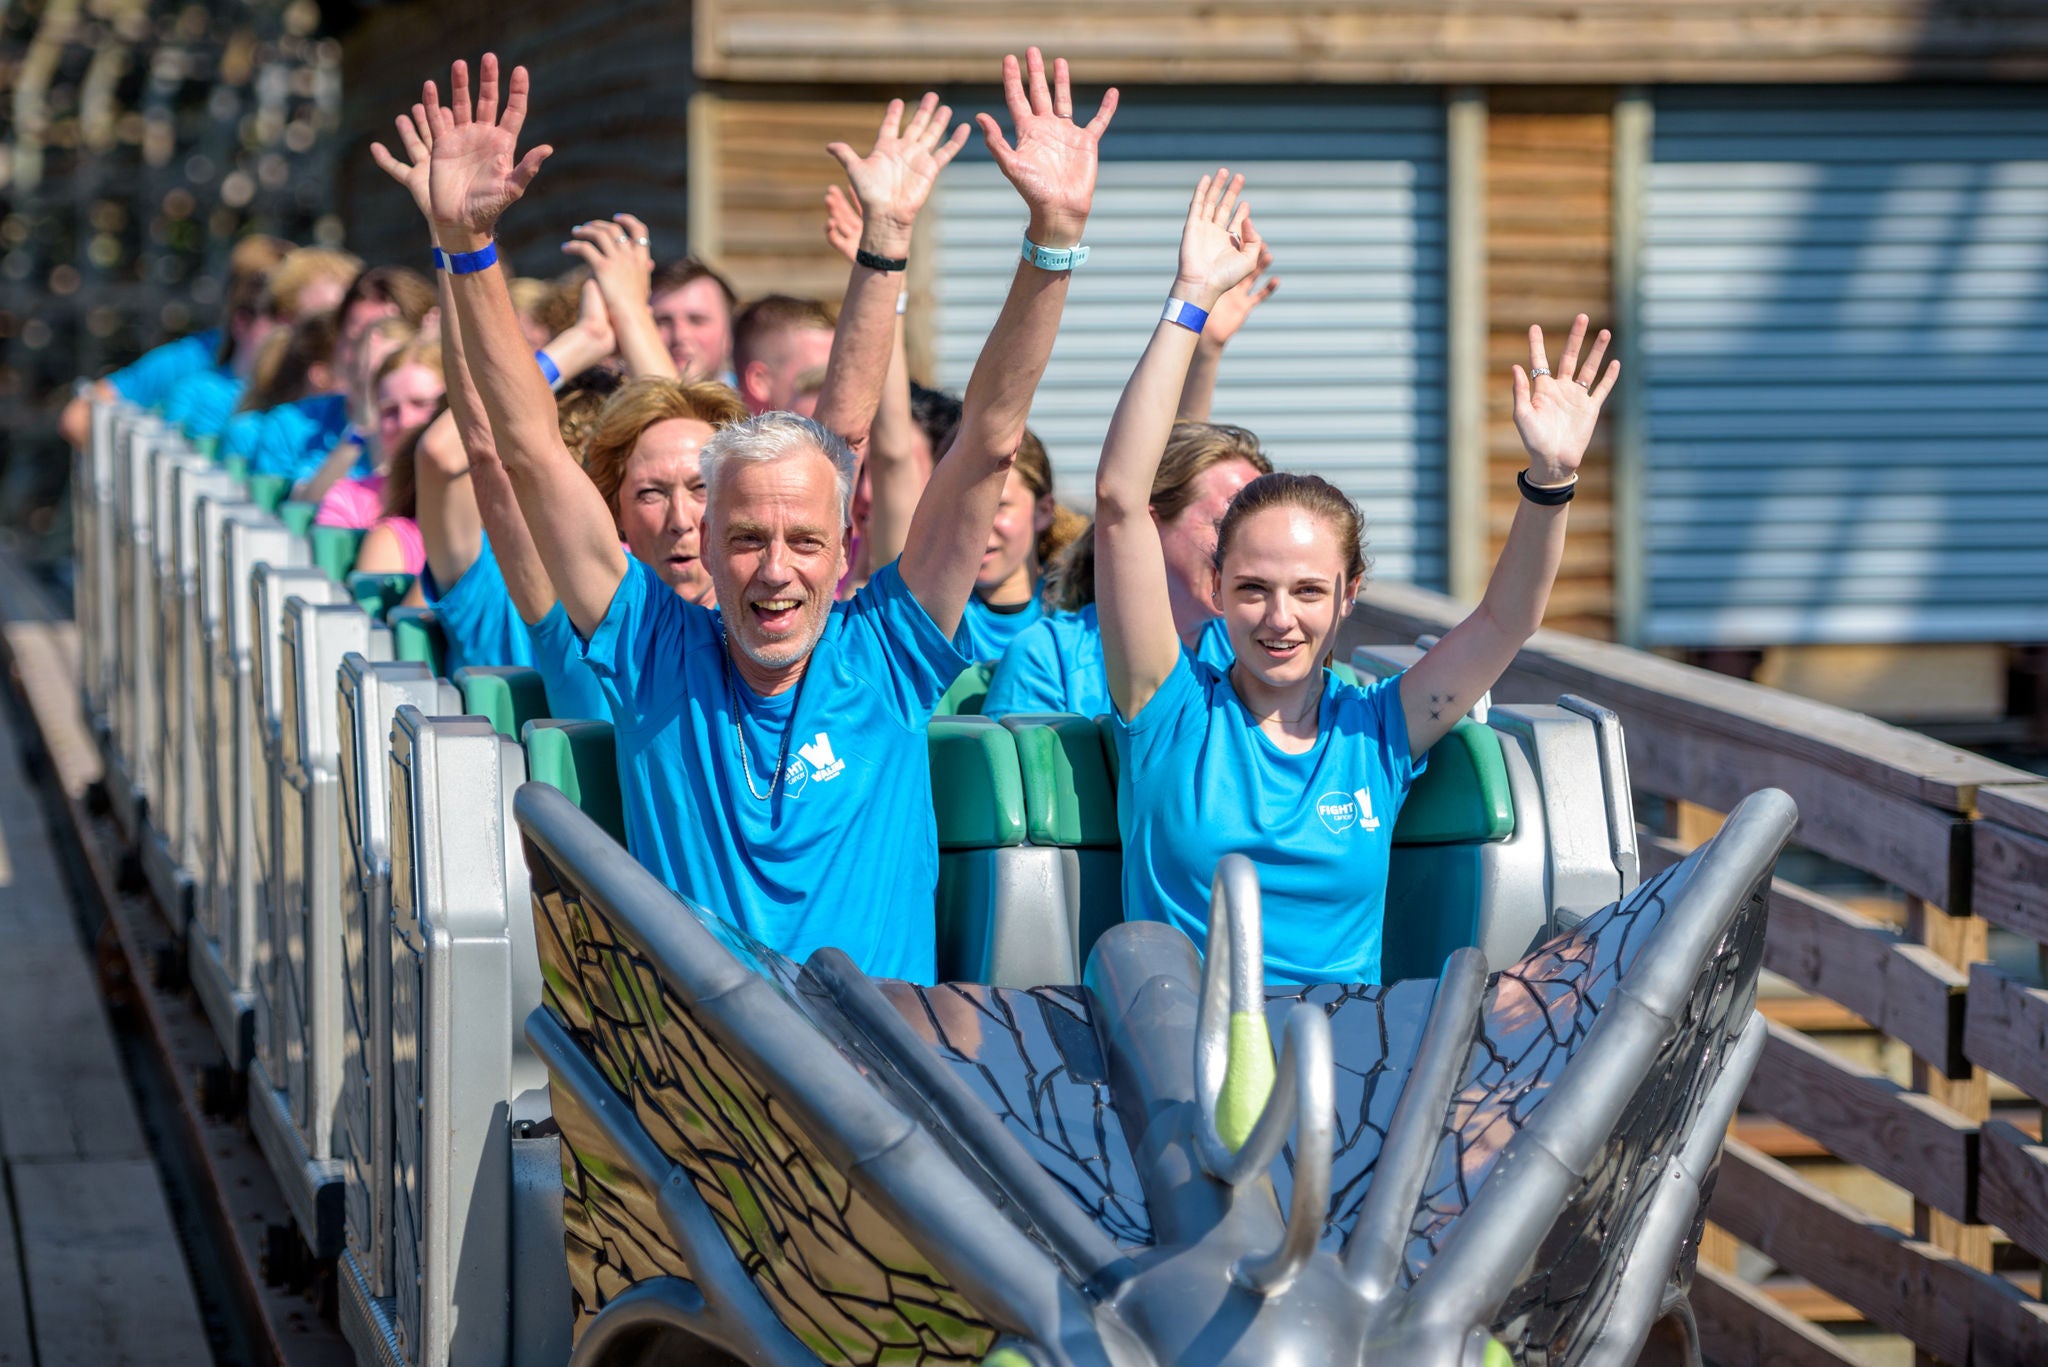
(458, 887)
(310, 974)
(1564, 751)
(366, 697)
(135, 712)
(270, 588)
(187, 674)
(1341, 373)
(93, 497)
(247, 537)
(212, 703)
(1845, 322)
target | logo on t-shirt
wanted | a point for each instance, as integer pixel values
(1340, 812)
(825, 766)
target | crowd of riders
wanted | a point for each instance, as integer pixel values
(746, 536)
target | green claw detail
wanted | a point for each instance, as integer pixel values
(1006, 1357)
(1497, 1354)
(1247, 1079)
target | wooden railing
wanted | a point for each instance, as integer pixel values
(1962, 843)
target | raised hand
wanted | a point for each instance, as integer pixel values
(843, 222)
(1219, 247)
(1235, 305)
(416, 136)
(1053, 162)
(1555, 414)
(616, 250)
(893, 181)
(476, 174)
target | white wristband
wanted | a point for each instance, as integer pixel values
(902, 303)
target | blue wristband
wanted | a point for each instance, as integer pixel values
(440, 259)
(1186, 314)
(1053, 258)
(469, 263)
(549, 371)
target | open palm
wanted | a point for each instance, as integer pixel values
(1555, 414)
(476, 173)
(1219, 248)
(893, 181)
(1053, 162)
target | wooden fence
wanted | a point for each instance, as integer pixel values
(1963, 841)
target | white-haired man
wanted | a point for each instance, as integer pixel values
(778, 741)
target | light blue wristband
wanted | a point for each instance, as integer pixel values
(1186, 314)
(1054, 258)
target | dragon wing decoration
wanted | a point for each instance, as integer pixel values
(784, 1165)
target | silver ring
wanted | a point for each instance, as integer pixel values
(643, 241)
(1538, 373)
(625, 241)
(1586, 385)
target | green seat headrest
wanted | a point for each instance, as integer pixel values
(977, 793)
(964, 695)
(1463, 796)
(416, 636)
(509, 696)
(580, 758)
(298, 516)
(334, 549)
(271, 491)
(1069, 788)
(377, 594)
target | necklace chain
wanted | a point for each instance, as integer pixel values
(1314, 701)
(739, 733)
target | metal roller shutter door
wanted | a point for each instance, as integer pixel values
(1340, 373)
(1845, 336)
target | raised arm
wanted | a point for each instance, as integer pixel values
(1218, 248)
(1555, 415)
(891, 183)
(1198, 395)
(474, 178)
(1053, 168)
(617, 250)
(895, 474)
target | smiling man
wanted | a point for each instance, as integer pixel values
(776, 744)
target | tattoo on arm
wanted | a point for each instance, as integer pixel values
(1437, 703)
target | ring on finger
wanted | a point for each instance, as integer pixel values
(1539, 372)
(643, 241)
(624, 240)
(1586, 385)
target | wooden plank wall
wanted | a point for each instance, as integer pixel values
(1549, 246)
(613, 109)
(1417, 41)
(758, 205)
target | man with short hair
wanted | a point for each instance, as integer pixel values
(779, 739)
(776, 340)
(693, 308)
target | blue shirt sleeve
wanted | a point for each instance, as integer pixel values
(643, 638)
(893, 643)
(1028, 678)
(1169, 716)
(150, 379)
(558, 655)
(1386, 716)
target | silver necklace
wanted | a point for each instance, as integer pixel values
(739, 733)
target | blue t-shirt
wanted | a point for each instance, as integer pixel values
(573, 690)
(986, 632)
(151, 378)
(292, 439)
(1055, 665)
(1198, 779)
(203, 402)
(844, 851)
(485, 628)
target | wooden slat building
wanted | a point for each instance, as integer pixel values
(1814, 224)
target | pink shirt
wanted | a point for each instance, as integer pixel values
(410, 542)
(356, 503)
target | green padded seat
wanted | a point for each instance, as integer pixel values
(1462, 797)
(209, 447)
(334, 549)
(238, 466)
(417, 637)
(977, 792)
(1069, 790)
(509, 696)
(377, 594)
(271, 491)
(964, 696)
(581, 758)
(298, 515)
